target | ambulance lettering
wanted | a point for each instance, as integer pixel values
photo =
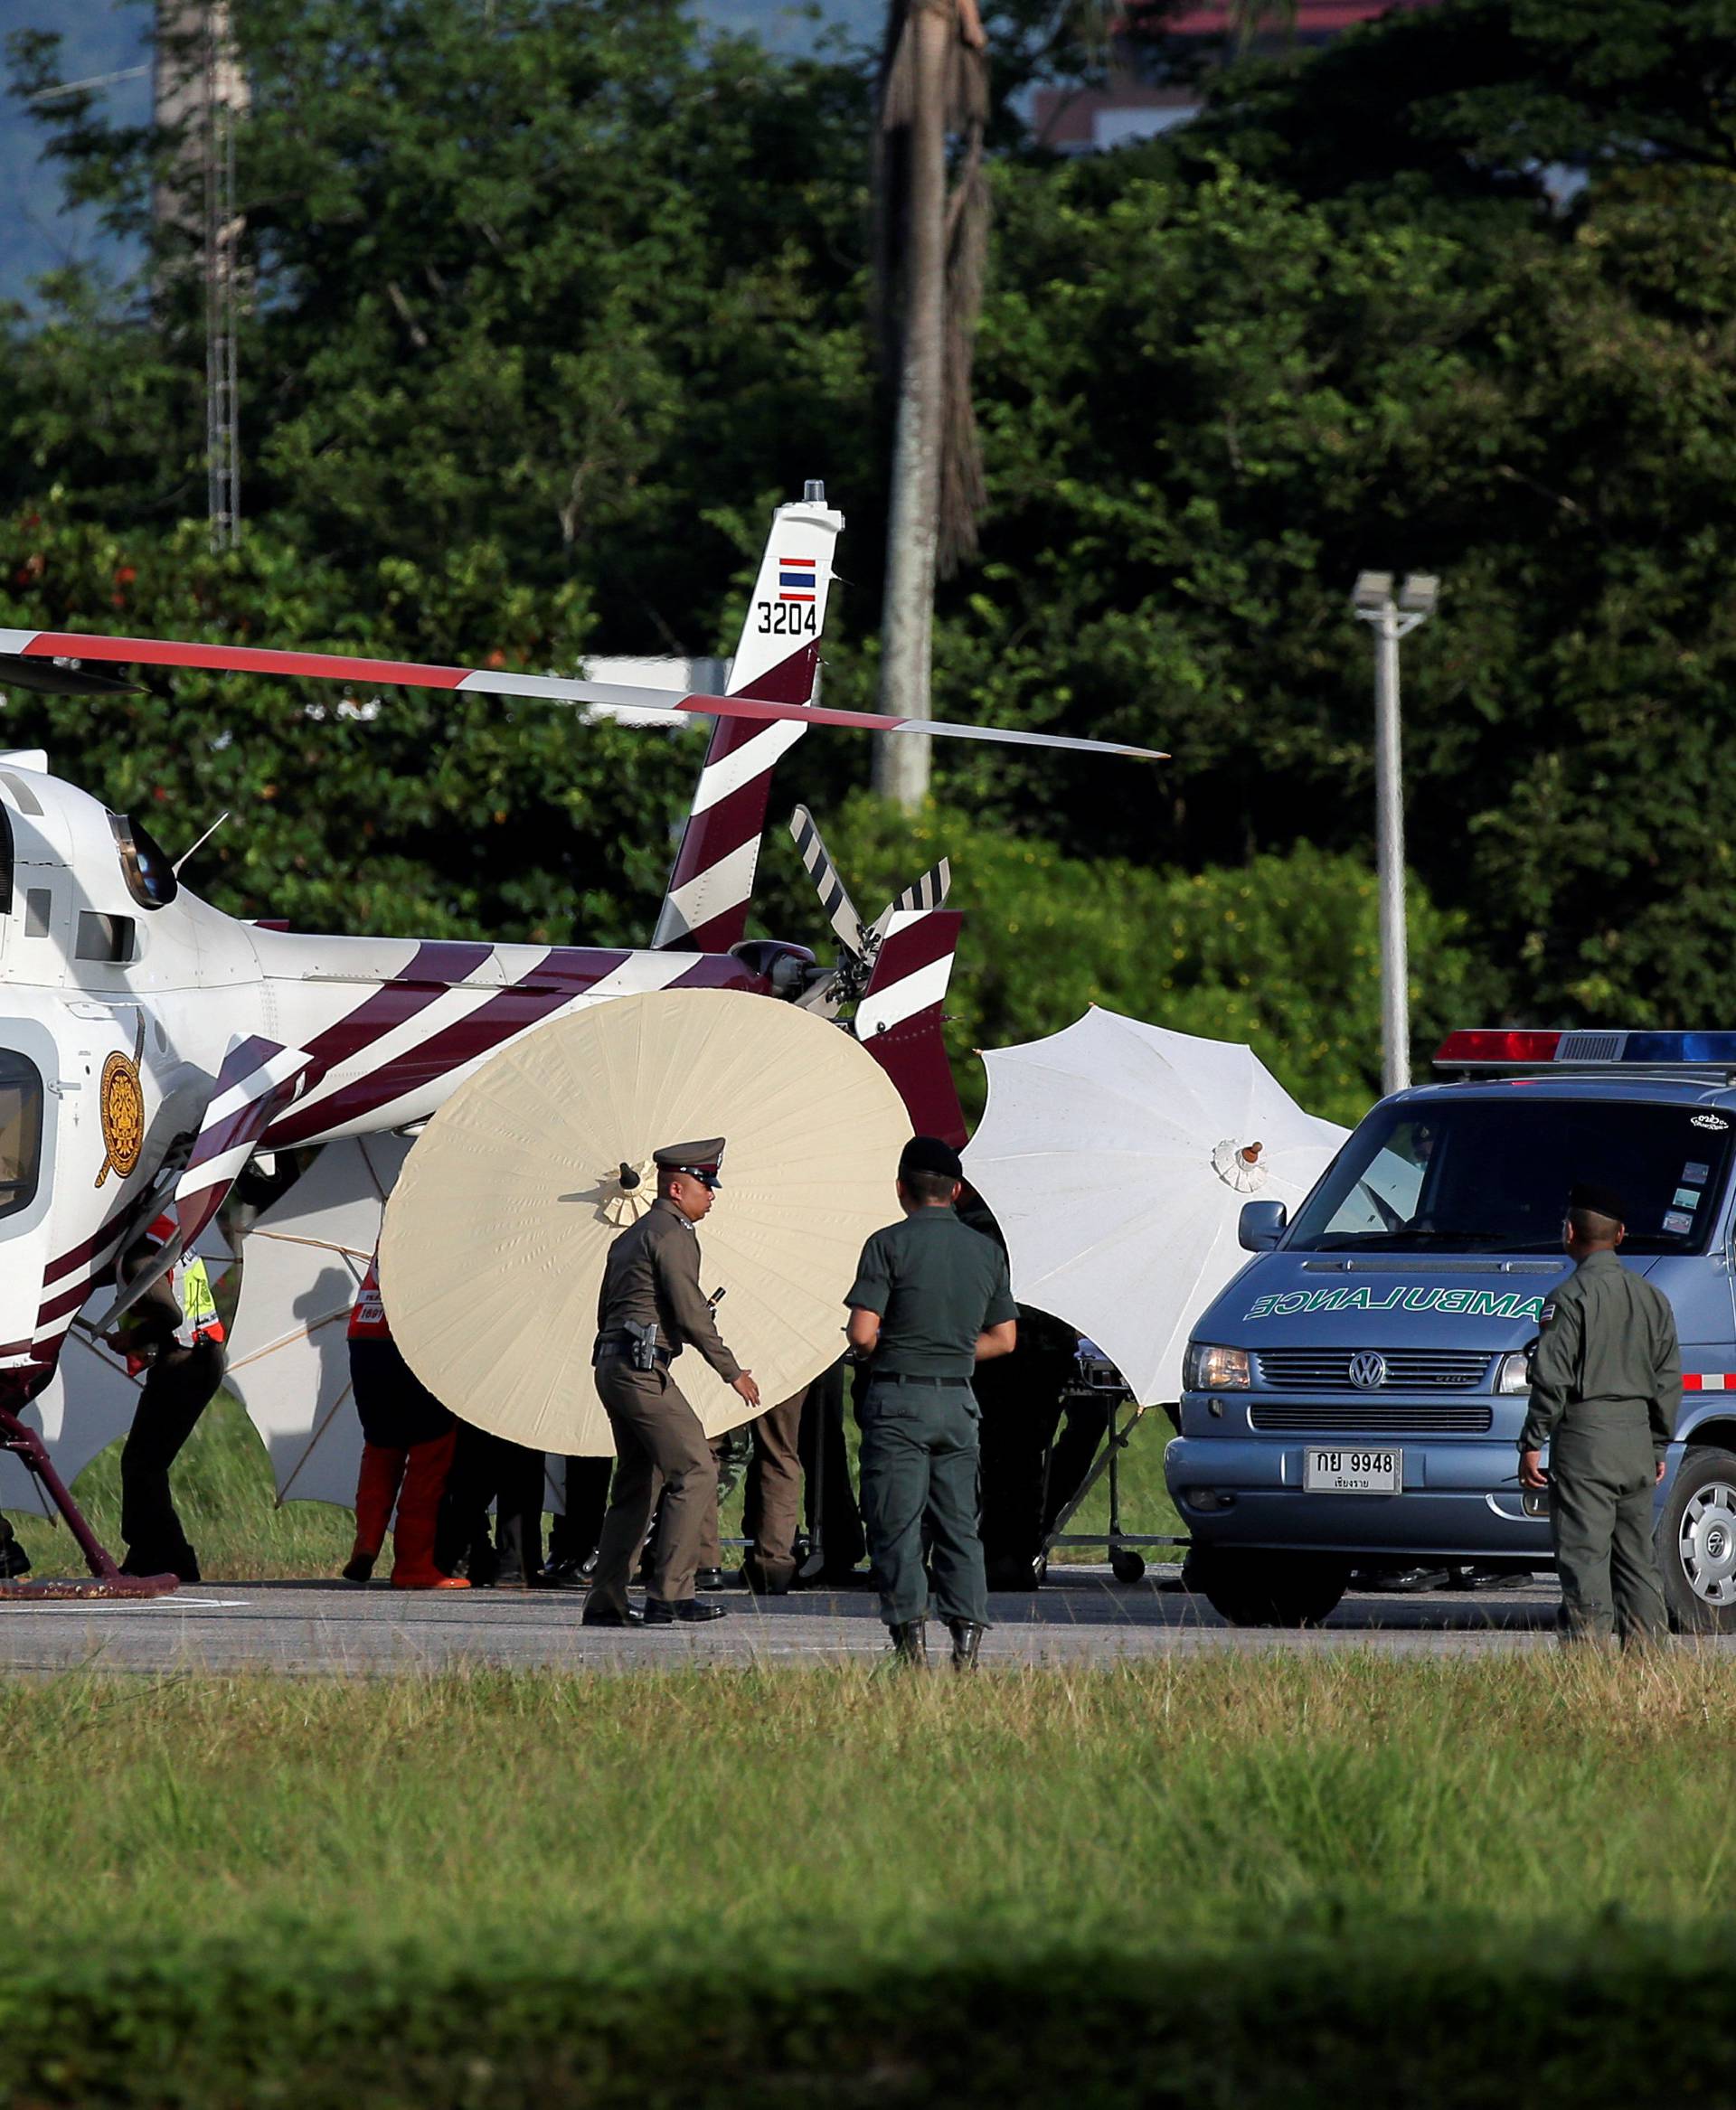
(1470, 1304)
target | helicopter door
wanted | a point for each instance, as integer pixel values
(5, 877)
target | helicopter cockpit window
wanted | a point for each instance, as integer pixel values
(21, 1131)
(149, 871)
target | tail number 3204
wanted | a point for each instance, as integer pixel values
(787, 619)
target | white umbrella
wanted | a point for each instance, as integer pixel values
(1114, 1156)
(90, 1401)
(86, 1405)
(496, 1233)
(302, 1263)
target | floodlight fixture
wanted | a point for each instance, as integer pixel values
(1371, 592)
(1419, 594)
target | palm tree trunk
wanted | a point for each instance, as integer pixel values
(902, 762)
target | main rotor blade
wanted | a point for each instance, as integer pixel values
(621, 698)
(840, 909)
(53, 677)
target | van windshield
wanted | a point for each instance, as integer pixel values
(21, 1131)
(1492, 1175)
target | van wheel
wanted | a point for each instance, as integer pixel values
(1267, 1589)
(1696, 1543)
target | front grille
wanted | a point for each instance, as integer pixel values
(1405, 1418)
(1408, 1370)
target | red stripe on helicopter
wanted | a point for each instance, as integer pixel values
(440, 965)
(567, 972)
(87, 1249)
(63, 1305)
(545, 989)
(718, 831)
(435, 967)
(243, 659)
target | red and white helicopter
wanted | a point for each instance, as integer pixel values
(151, 1045)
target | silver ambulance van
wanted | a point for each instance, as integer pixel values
(1353, 1401)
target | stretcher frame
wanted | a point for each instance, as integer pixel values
(1122, 1414)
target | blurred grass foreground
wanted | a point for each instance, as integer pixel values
(1219, 1879)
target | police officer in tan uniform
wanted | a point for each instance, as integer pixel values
(650, 1308)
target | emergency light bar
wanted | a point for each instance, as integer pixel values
(1526, 1048)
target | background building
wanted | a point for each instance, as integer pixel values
(1158, 57)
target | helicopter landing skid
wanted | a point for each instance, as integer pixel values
(106, 1580)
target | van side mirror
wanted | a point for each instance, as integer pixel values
(1261, 1225)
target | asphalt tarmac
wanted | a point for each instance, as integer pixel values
(1081, 1617)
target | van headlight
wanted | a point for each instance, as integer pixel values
(1205, 1368)
(1513, 1372)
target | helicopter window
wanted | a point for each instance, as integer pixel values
(149, 868)
(39, 905)
(21, 1131)
(106, 937)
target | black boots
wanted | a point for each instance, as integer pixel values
(684, 1612)
(911, 1643)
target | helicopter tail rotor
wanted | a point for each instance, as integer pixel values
(860, 943)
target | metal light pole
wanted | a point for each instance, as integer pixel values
(1391, 618)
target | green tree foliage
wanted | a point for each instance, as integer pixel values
(402, 811)
(1282, 952)
(551, 302)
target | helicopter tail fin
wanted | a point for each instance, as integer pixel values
(900, 1016)
(705, 907)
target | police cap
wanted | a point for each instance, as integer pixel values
(1599, 1200)
(928, 1154)
(699, 1161)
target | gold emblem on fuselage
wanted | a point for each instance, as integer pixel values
(121, 1099)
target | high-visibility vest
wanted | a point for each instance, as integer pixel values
(192, 1288)
(368, 1318)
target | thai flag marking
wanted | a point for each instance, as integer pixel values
(797, 577)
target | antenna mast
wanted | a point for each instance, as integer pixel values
(199, 94)
(223, 234)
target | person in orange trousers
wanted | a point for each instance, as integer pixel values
(408, 1441)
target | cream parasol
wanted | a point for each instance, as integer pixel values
(1116, 1157)
(497, 1231)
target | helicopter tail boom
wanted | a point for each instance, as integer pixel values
(705, 907)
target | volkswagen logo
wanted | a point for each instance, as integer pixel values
(1368, 1372)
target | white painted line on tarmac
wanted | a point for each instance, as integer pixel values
(36, 1607)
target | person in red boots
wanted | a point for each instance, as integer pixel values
(406, 1453)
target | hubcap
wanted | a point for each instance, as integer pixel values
(1707, 1542)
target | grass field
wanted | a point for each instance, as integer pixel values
(1221, 1880)
(223, 1490)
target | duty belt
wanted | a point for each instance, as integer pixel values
(899, 1377)
(618, 1348)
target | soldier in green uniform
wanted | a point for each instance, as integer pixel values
(1605, 1386)
(650, 1307)
(930, 1301)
